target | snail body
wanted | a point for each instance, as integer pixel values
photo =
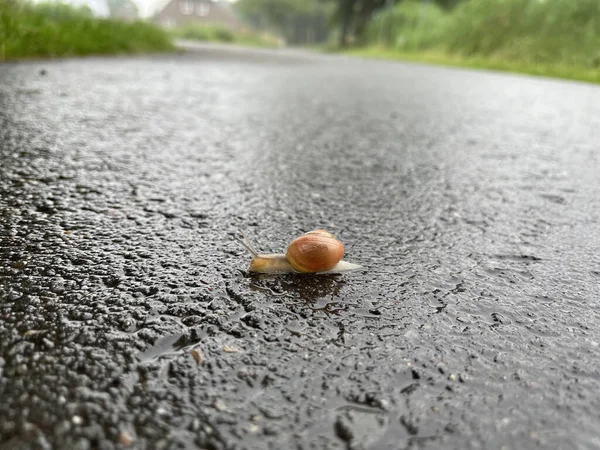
(314, 252)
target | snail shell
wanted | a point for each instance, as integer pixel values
(315, 251)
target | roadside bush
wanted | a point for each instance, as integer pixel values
(531, 31)
(63, 11)
(410, 25)
(215, 33)
(55, 29)
(218, 33)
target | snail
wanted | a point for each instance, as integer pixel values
(314, 252)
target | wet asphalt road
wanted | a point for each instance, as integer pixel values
(127, 318)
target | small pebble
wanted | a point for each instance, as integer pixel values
(125, 439)
(220, 405)
(195, 425)
(253, 428)
(198, 356)
(7, 426)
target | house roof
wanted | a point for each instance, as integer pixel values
(161, 4)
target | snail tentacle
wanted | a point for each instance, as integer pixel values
(246, 243)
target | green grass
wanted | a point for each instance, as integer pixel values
(554, 38)
(55, 29)
(445, 59)
(218, 33)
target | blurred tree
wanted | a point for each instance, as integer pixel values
(308, 21)
(59, 10)
(353, 16)
(298, 21)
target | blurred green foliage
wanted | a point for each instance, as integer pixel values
(353, 16)
(63, 11)
(548, 37)
(218, 33)
(529, 31)
(209, 32)
(56, 29)
(410, 25)
(564, 31)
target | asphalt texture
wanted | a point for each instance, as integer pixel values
(127, 317)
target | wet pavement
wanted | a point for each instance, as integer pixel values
(127, 318)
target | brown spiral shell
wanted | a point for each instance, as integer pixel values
(315, 251)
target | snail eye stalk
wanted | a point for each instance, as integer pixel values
(246, 243)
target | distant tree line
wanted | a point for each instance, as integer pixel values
(352, 16)
(312, 21)
(298, 21)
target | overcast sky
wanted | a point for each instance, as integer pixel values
(146, 7)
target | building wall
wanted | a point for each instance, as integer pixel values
(128, 12)
(183, 12)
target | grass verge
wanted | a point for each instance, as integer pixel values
(552, 38)
(218, 33)
(55, 29)
(444, 59)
